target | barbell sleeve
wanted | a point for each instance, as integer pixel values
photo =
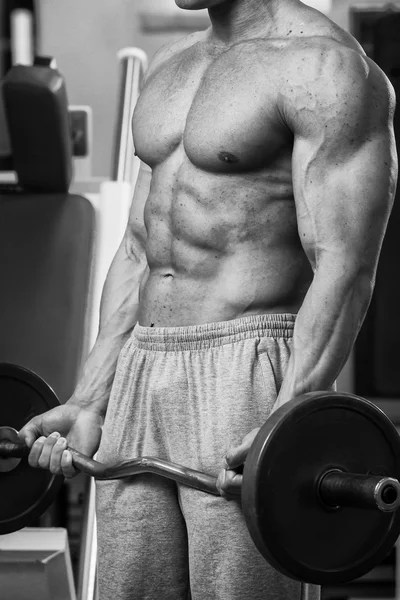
(337, 489)
(10, 449)
(334, 488)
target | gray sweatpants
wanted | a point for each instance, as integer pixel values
(187, 394)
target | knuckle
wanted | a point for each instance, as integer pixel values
(57, 451)
(69, 473)
(229, 477)
(224, 486)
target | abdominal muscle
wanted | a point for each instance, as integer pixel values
(219, 247)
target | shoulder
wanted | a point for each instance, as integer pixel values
(327, 67)
(326, 79)
(171, 51)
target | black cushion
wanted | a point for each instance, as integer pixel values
(46, 246)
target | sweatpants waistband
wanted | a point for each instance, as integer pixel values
(211, 335)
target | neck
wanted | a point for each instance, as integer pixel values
(235, 20)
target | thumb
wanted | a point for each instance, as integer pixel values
(31, 431)
(235, 457)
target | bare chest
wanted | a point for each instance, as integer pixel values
(222, 111)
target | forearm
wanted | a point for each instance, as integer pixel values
(95, 383)
(118, 316)
(326, 328)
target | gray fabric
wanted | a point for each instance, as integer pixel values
(187, 394)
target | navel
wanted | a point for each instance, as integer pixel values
(228, 157)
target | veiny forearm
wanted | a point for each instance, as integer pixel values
(118, 316)
(325, 331)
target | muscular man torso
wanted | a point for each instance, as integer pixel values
(220, 219)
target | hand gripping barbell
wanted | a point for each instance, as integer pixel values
(320, 491)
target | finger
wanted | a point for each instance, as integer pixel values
(47, 447)
(56, 455)
(220, 482)
(31, 432)
(67, 468)
(221, 485)
(229, 483)
(36, 451)
(233, 483)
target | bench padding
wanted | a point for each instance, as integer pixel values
(46, 246)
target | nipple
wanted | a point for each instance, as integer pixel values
(228, 157)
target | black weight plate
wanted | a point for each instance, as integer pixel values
(25, 492)
(289, 525)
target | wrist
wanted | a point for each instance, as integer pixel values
(93, 406)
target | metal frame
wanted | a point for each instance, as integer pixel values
(87, 580)
(134, 64)
(378, 7)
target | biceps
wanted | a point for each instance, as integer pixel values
(343, 204)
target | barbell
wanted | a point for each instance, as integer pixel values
(320, 491)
